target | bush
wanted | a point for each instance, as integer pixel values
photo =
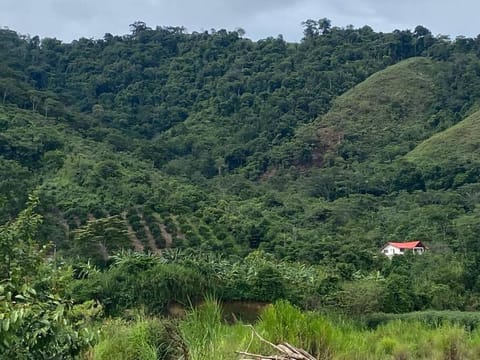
(468, 320)
(142, 281)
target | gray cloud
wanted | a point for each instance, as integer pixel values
(70, 19)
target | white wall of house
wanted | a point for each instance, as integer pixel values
(390, 250)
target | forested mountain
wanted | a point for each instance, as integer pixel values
(217, 141)
(316, 152)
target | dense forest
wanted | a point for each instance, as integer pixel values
(164, 169)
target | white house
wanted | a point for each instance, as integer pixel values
(399, 248)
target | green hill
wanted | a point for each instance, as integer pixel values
(452, 157)
(388, 111)
(212, 141)
(458, 145)
(382, 117)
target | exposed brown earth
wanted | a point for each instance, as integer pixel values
(150, 238)
(137, 245)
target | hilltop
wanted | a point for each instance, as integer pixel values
(387, 111)
(379, 119)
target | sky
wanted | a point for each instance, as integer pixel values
(67, 20)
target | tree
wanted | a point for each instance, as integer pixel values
(7, 88)
(324, 25)
(399, 294)
(99, 238)
(35, 321)
(362, 296)
(137, 27)
(310, 28)
(421, 31)
(314, 28)
(19, 252)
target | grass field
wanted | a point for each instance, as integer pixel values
(202, 335)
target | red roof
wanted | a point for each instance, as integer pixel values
(406, 245)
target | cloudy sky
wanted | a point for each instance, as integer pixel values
(70, 19)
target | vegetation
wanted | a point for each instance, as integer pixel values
(206, 337)
(163, 171)
(37, 320)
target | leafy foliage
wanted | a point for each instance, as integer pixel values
(144, 339)
(35, 321)
(261, 171)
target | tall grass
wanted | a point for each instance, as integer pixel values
(203, 335)
(207, 337)
(143, 339)
(201, 330)
(468, 319)
(400, 340)
(126, 342)
(343, 340)
(283, 322)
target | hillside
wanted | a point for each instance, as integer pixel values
(451, 157)
(140, 122)
(458, 144)
(86, 186)
(140, 172)
(215, 142)
(386, 114)
(379, 119)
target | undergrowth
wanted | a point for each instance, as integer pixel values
(204, 335)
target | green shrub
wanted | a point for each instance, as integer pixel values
(468, 320)
(142, 281)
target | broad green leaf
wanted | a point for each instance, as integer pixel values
(5, 324)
